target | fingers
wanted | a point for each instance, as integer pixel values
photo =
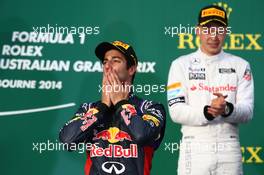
(218, 104)
(219, 95)
(212, 111)
(110, 79)
(105, 93)
(218, 107)
(127, 86)
(116, 79)
(107, 81)
(118, 92)
(113, 78)
(215, 112)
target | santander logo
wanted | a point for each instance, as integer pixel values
(212, 89)
(193, 88)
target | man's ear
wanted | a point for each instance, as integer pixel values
(132, 70)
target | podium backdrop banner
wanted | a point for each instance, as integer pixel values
(48, 68)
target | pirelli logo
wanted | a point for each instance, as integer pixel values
(121, 44)
(213, 12)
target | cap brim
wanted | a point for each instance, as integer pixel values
(102, 48)
(215, 20)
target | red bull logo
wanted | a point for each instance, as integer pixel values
(116, 151)
(90, 113)
(89, 118)
(127, 112)
(112, 135)
(130, 108)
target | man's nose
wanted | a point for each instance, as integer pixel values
(214, 37)
(108, 65)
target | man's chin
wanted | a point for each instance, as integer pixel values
(214, 50)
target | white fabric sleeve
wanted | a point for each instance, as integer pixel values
(243, 108)
(177, 94)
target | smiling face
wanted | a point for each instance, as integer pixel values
(212, 41)
(115, 60)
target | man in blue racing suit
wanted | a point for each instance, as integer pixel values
(124, 130)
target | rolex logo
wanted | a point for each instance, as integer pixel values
(225, 7)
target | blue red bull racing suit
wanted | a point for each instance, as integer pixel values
(123, 137)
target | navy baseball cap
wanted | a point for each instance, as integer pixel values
(124, 48)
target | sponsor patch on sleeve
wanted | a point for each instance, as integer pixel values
(174, 90)
(89, 118)
(128, 112)
(151, 119)
(176, 100)
(247, 74)
(174, 86)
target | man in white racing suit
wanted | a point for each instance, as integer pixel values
(209, 93)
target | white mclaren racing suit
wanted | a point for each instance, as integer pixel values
(210, 145)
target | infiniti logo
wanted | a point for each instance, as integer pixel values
(111, 166)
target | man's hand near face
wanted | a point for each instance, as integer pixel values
(218, 105)
(105, 92)
(120, 91)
